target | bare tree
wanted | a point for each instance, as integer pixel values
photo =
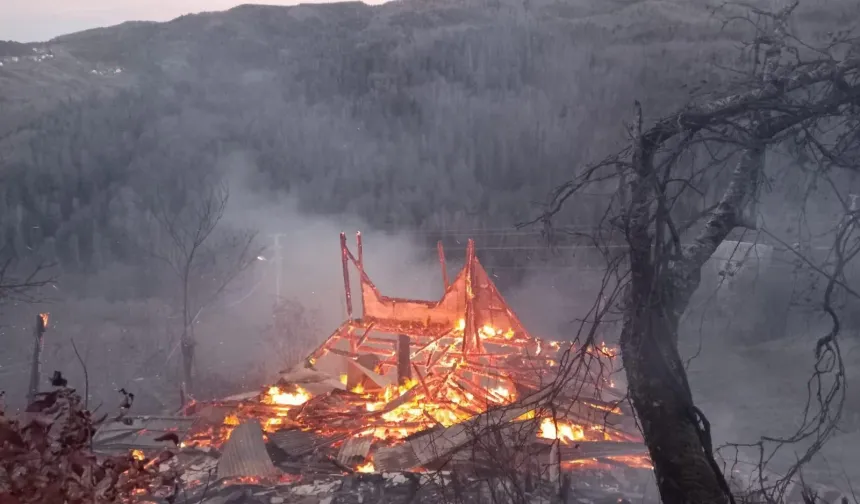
(293, 332)
(22, 286)
(203, 257)
(793, 98)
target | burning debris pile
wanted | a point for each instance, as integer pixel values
(421, 386)
(407, 374)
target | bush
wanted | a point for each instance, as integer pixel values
(46, 457)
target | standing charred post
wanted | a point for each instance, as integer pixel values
(38, 344)
(404, 367)
(344, 257)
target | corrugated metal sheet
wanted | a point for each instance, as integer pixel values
(140, 432)
(245, 455)
(395, 459)
(354, 450)
(296, 443)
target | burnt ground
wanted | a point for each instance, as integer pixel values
(585, 487)
(754, 390)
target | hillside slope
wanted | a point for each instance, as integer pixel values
(431, 114)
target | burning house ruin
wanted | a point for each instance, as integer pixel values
(424, 386)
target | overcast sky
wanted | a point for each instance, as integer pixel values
(38, 20)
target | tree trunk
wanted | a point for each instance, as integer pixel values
(657, 296)
(187, 347)
(187, 339)
(662, 401)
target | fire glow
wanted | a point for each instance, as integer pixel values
(275, 396)
(435, 369)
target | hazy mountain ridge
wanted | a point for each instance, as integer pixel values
(432, 115)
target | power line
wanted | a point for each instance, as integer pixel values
(459, 233)
(479, 248)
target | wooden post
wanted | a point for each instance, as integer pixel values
(36, 367)
(404, 368)
(345, 260)
(278, 269)
(441, 251)
(471, 343)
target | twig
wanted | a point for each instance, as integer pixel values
(86, 376)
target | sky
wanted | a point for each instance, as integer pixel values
(39, 20)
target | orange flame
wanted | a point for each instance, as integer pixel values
(366, 467)
(276, 396)
(561, 430)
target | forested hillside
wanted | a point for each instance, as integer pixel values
(431, 115)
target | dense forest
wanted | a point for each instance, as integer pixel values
(439, 117)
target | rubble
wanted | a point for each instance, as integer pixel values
(413, 388)
(403, 488)
(416, 402)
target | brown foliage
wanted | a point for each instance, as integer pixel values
(45, 456)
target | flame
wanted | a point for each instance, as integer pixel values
(502, 392)
(637, 461)
(276, 396)
(456, 387)
(529, 415)
(137, 455)
(366, 467)
(45, 318)
(486, 332)
(561, 430)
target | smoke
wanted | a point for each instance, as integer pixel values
(233, 339)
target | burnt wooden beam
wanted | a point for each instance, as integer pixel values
(404, 368)
(423, 450)
(36, 365)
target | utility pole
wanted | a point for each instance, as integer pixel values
(278, 267)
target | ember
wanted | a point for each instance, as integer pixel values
(415, 368)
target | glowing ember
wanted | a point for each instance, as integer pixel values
(244, 480)
(638, 461)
